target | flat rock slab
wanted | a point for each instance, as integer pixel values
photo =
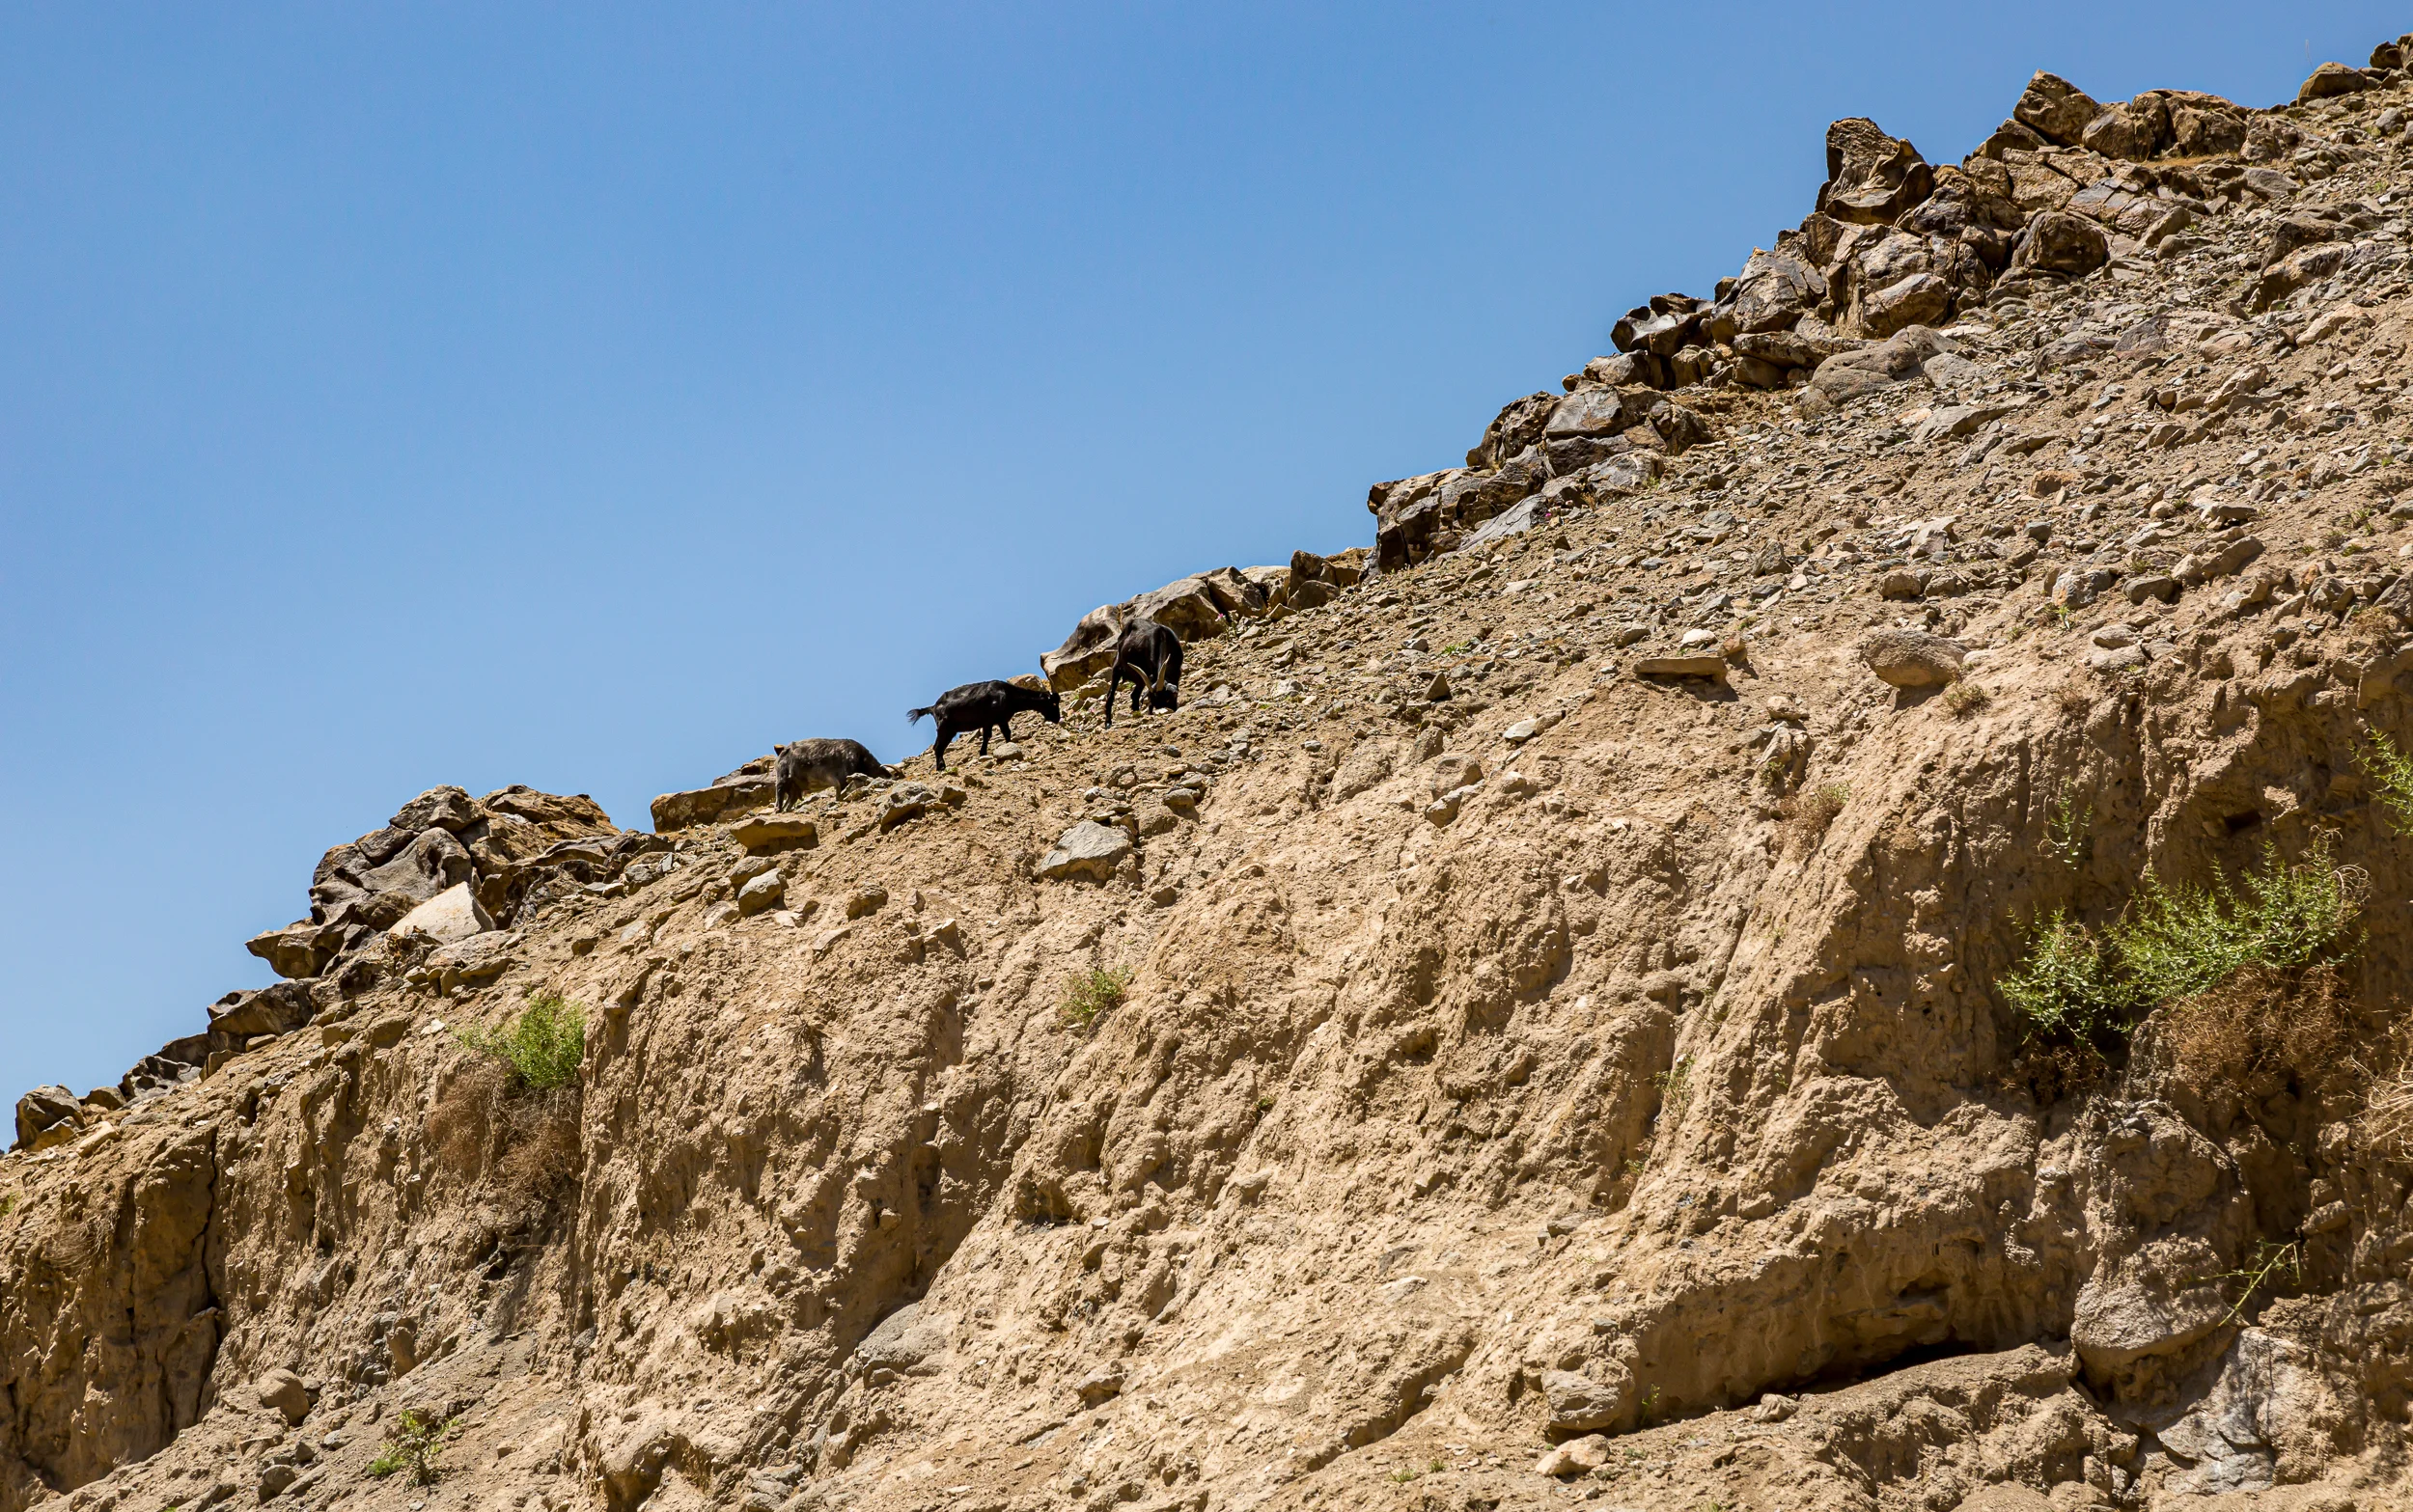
(704, 804)
(1694, 663)
(1912, 658)
(763, 831)
(1088, 849)
(452, 914)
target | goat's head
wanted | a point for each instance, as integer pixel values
(1051, 707)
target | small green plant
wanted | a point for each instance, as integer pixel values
(2269, 1260)
(1457, 647)
(1264, 1104)
(1965, 699)
(543, 1047)
(1091, 992)
(418, 1438)
(8, 1205)
(2071, 986)
(2068, 828)
(2392, 774)
(1674, 1088)
(1649, 1405)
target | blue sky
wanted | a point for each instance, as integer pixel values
(588, 397)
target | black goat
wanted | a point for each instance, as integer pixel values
(985, 706)
(807, 765)
(1152, 654)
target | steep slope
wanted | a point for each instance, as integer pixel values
(1563, 1052)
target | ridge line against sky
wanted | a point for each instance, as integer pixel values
(405, 396)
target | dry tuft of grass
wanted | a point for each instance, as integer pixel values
(2263, 1026)
(462, 1121)
(490, 1123)
(1965, 699)
(1091, 994)
(1807, 815)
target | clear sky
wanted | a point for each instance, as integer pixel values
(590, 395)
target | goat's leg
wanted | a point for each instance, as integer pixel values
(1005, 727)
(938, 748)
(1113, 682)
(985, 729)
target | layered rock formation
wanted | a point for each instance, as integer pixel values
(1530, 1027)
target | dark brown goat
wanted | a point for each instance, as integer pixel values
(1152, 656)
(807, 765)
(985, 706)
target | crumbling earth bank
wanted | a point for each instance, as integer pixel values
(1528, 1030)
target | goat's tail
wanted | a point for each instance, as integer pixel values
(916, 716)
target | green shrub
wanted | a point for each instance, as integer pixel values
(543, 1047)
(1091, 994)
(2392, 775)
(2179, 942)
(418, 1439)
(2071, 985)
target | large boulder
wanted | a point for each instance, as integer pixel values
(2333, 79)
(1865, 369)
(2135, 129)
(1595, 412)
(1871, 177)
(1087, 652)
(1912, 658)
(432, 862)
(1407, 513)
(297, 949)
(284, 1393)
(1772, 292)
(2057, 241)
(1472, 498)
(1517, 426)
(2055, 109)
(724, 799)
(278, 1009)
(451, 915)
(1793, 348)
(1660, 328)
(46, 1111)
(1088, 849)
(1237, 594)
(1920, 299)
(2204, 125)
(1968, 201)
(1185, 606)
(758, 833)
(2304, 267)
(446, 807)
(1579, 1404)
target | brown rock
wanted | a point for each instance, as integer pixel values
(1871, 177)
(2332, 79)
(2057, 241)
(2055, 109)
(1912, 658)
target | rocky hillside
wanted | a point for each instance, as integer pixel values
(1822, 925)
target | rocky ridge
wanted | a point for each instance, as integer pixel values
(1562, 1055)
